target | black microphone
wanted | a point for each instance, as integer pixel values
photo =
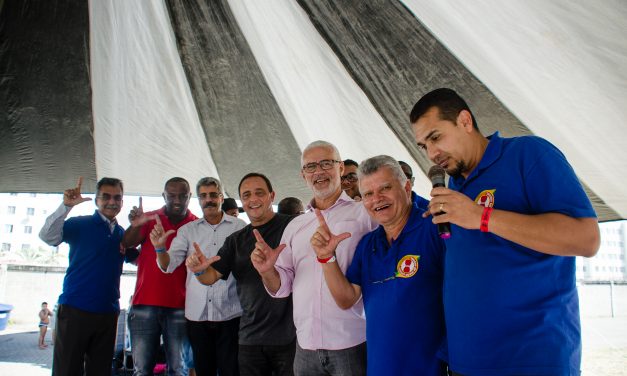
(436, 175)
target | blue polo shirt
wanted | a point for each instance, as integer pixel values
(92, 281)
(509, 309)
(401, 286)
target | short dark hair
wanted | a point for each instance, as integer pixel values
(175, 180)
(446, 100)
(42, 303)
(404, 164)
(350, 162)
(253, 175)
(109, 181)
(290, 206)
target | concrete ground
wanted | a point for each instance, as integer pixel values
(604, 353)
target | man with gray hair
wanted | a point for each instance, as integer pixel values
(330, 340)
(397, 268)
(212, 312)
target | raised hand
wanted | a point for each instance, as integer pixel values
(198, 262)
(323, 241)
(137, 217)
(72, 196)
(158, 236)
(263, 256)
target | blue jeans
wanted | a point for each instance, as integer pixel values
(147, 324)
(346, 362)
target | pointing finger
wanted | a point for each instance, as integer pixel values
(158, 221)
(141, 206)
(258, 236)
(79, 183)
(321, 220)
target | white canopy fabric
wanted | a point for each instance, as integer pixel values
(148, 90)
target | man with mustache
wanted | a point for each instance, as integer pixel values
(331, 341)
(267, 334)
(159, 299)
(212, 312)
(89, 304)
(518, 217)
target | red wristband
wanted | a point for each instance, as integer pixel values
(326, 260)
(485, 218)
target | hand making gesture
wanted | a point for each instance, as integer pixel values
(323, 241)
(263, 256)
(72, 196)
(137, 217)
(198, 262)
(158, 236)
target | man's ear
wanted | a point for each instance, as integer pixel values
(464, 119)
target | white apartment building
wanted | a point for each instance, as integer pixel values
(610, 263)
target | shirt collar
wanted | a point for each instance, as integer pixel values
(492, 153)
(225, 218)
(343, 198)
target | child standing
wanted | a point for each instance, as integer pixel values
(44, 321)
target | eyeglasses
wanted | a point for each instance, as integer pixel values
(324, 164)
(108, 197)
(212, 195)
(351, 177)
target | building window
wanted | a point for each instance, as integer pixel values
(8, 229)
(25, 247)
(30, 211)
(10, 209)
(28, 229)
(6, 247)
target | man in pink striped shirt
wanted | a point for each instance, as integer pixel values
(331, 341)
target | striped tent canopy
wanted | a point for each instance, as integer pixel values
(147, 90)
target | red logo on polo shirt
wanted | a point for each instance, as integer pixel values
(486, 198)
(407, 266)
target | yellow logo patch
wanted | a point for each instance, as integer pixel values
(486, 198)
(407, 266)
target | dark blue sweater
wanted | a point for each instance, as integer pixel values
(92, 281)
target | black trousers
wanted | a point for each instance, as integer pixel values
(215, 345)
(84, 342)
(267, 360)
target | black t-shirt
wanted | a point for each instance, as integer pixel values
(265, 320)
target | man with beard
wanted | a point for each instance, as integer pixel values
(518, 215)
(398, 268)
(159, 299)
(212, 312)
(331, 341)
(267, 334)
(89, 304)
(350, 183)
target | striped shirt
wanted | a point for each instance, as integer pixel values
(218, 302)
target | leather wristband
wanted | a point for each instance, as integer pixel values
(326, 260)
(485, 219)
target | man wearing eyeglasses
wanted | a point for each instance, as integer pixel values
(89, 304)
(212, 312)
(398, 268)
(350, 183)
(330, 340)
(159, 299)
